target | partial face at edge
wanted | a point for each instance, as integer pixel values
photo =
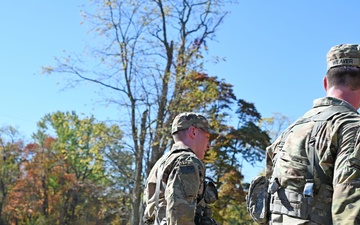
(202, 142)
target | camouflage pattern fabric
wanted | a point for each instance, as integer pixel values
(182, 180)
(187, 119)
(338, 147)
(343, 55)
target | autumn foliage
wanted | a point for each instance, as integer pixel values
(56, 185)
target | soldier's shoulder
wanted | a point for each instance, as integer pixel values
(345, 122)
(188, 158)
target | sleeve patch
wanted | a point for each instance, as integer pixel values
(187, 169)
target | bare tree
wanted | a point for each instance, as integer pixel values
(148, 50)
(275, 125)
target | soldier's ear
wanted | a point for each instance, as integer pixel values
(192, 131)
(325, 83)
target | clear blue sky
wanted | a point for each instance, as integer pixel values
(275, 56)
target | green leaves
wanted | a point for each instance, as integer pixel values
(82, 142)
(66, 177)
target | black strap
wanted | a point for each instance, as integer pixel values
(314, 158)
(274, 183)
(320, 119)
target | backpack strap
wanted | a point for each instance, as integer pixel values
(320, 119)
(159, 175)
(274, 184)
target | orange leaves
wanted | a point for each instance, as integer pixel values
(231, 186)
(48, 142)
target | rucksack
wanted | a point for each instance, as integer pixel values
(257, 200)
(261, 188)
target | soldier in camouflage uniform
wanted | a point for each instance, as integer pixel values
(174, 192)
(324, 187)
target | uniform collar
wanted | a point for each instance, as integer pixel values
(180, 146)
(331, 101)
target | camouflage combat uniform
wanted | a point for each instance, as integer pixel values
(337, 145)
(183, 181)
